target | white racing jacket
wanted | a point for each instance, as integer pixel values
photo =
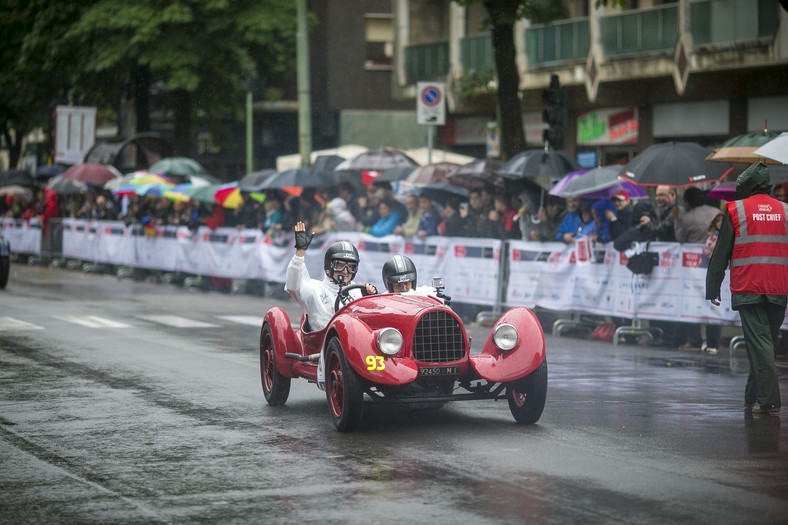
(317, 298)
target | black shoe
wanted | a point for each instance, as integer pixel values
(766, 409)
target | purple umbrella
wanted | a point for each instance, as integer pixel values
(596, 183)
(725, 191)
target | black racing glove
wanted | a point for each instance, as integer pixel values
(302, 240)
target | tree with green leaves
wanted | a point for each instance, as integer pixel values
(35, 71)
(198, 54)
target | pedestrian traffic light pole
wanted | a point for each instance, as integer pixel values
(304, 97)
(554, 114)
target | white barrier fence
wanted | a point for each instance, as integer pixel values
(548, 275)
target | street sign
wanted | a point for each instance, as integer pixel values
(431, 103)
(75, 133)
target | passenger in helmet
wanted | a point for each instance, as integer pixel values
(317, 298)
(399, 274)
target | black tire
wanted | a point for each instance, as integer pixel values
(5, 269)
(527, 396)
(276, 387)
(343, 391)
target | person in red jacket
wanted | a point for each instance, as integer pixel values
(753, 238)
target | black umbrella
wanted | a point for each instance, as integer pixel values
(254, 180)
(63, 186)
(443, 191)
(676, 164)
(546, 164)
(326, 163)
(50, 170)
(477, 174)
(379, 159)
(18, 178)
(297, 178)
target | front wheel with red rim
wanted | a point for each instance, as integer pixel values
(276, 387)
(527, 396)
(343, 392)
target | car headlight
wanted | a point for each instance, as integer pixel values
(389, 341)
(505, 337)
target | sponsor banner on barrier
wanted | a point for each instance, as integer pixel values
(23, 236)
(548, 275)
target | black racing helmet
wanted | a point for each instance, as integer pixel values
(398, 269)
(341, 251)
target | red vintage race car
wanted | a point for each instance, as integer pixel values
(405, 348)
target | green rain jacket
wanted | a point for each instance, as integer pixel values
(753, 181)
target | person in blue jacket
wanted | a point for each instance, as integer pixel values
(389, 219)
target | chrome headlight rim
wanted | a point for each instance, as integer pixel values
(389, 341)
(505, 337)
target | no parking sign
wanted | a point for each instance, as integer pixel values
(431, 103)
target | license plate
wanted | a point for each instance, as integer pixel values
(439, 371)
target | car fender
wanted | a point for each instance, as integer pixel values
(495, 365)
(284, 338)
(359, 341)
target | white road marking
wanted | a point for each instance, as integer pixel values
(176, 321)
(251, 320)
(8, 324)
(91, 321)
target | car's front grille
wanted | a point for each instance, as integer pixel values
(438, 338)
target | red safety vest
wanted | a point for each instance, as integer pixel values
(759, 263)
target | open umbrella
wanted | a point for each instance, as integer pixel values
(725, 191)
(741, 149)
(203, 194)
(430, 173)
(138, 178)
(395, 174)
(595, 183)
(477, 174)
(254, 180)
(91, 173)
(17, 191)
(49, 170)
(63, 186)
(179, 192)
(775, 149)
(379, 159)
(441, 192)
(538, 163)
(297, 178)
(326, 163)
(676, 164)
(178, 166)
(17, 178)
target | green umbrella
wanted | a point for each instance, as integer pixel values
(203, 193)
(181, 166)
(750, 140)
(741, 149)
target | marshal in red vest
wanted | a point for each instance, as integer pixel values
(759, 263)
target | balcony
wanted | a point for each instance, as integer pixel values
(563, 41)
(640, 30)
(732, 21)
(477, 53)
(426, 61)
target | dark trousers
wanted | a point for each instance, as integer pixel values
(761, 326)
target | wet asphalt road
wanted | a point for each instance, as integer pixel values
(124, 419)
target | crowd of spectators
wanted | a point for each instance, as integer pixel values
(376, 210)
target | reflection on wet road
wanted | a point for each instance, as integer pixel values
(155, 422)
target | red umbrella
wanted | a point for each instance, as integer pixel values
(93, 174)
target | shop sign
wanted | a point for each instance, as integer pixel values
(608, 126)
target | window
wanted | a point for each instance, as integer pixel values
(379, 38)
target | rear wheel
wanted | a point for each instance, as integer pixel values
(343, 392)
(527, 396)
(276, 387)
(5, 269)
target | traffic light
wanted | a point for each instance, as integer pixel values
(554, 114)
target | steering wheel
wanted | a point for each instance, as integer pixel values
(343, 296)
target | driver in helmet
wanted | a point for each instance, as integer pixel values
(399, 274)
(317, 298)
